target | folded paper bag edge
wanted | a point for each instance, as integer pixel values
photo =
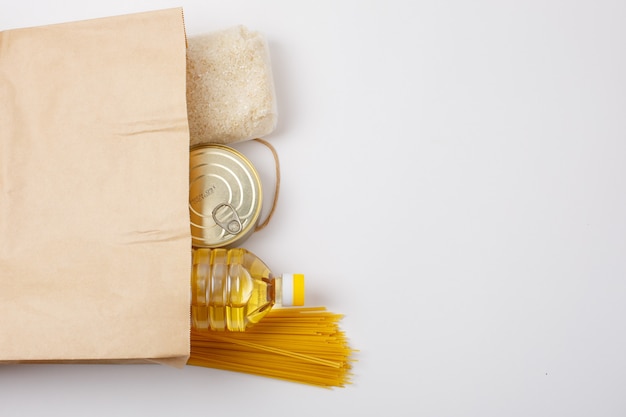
(175, 362)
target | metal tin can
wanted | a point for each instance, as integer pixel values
(225, 196)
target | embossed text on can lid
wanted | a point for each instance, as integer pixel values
(225, 196)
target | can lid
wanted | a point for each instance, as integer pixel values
(225, 196)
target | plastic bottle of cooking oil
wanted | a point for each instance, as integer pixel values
(232, 289)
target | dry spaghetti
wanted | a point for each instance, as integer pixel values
(296, 344)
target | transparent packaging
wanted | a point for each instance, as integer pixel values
(232, 289)
(230, 86)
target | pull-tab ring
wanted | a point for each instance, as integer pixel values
(276, 189)
(232, 226)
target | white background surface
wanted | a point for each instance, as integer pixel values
(453, 181)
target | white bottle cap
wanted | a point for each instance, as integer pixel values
(293, 289)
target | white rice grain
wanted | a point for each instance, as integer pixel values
(230, 88)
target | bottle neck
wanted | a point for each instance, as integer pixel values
(278, 291)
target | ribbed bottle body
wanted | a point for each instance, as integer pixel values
(231, 289)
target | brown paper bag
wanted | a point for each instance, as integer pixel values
(94, 224)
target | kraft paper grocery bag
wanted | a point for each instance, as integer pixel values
(94, 224)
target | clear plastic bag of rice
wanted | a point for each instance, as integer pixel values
(230, 87)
